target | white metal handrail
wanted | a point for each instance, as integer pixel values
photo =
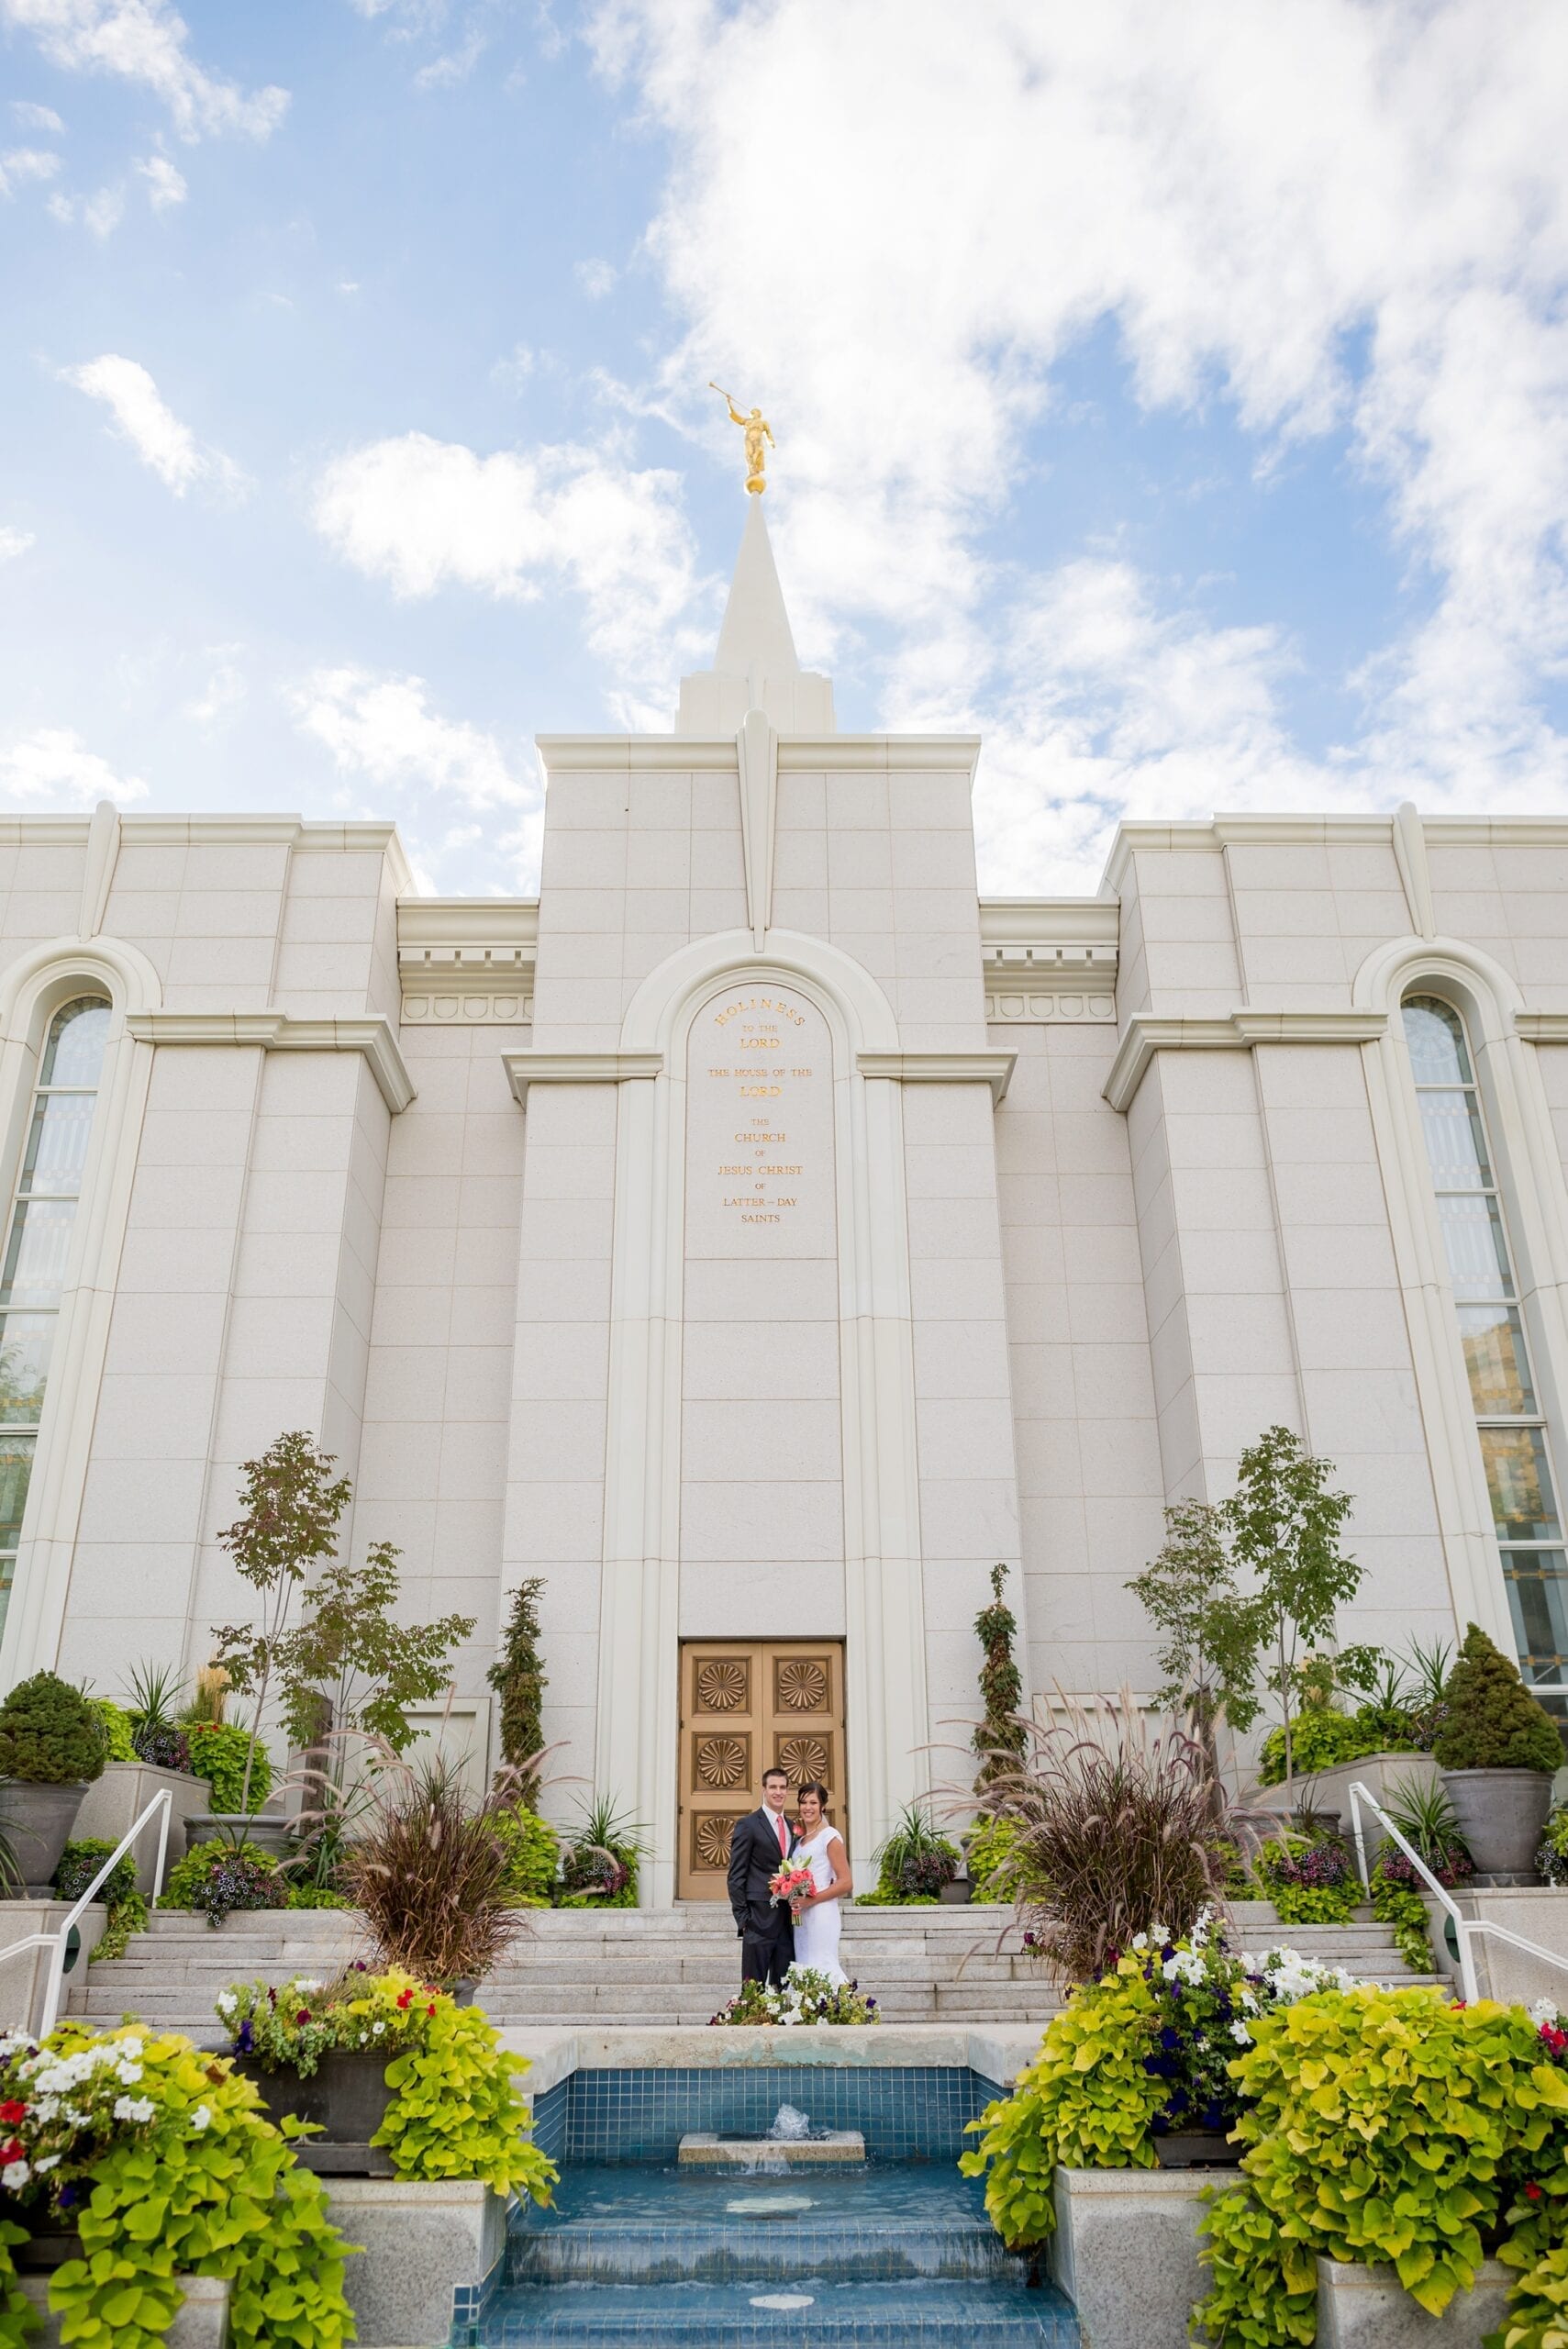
(1463, 1927)
(161, 1805)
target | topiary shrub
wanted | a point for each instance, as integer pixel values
(217, 1751)
(533, 1855)
(1493, 1722)
(51, 1734)
(518, 1678)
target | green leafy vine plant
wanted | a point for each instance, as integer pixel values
(1382, 2127)
(1309, 1883)
(163, 2161)
(79, 1864)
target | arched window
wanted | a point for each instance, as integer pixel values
(1514, 1441)
(38, 1247)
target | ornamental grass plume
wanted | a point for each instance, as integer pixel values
(429, 1870)
(1116, 1827)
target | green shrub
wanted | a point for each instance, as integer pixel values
(217, 1755)
(879, 1899)
(518, 1678)
(1381, 2126)
(218, 1877)
(116, 1729)
(1321, 1739)
(915, 1861)
(51, 1734)
(79, 1864)
(184, 2174)
(993, 1858)
(533, 1855)
(1396, 1905)
(315, 1896)
(1493, 1723)
(1309, 1883)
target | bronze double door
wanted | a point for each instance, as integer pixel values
(746, 1704)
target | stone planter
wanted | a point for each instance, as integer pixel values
(123, 1793)
(41, 1820)
(1367, 2308)
(1386, 1777)
(434, 2257)
(22, 1978)
(268, 1830)
(1125, 2252)
(200, 2322)
(957, 1894)
(1501, 1814)
(347, 2096)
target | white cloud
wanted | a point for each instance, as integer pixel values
(510, 374)
(22, 163)
(166, 446)
(13, 542)
(100, 214)
(381, 727)
(423, 513)
(53, 767)
(224, 693)
(145, 41)
(597, 278)
(165, 185)
(36, 118)
(1344, 217)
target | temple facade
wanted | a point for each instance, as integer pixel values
(760, 1235)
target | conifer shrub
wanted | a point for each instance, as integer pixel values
(518, 1677)
(1000, 1738)
(1493, 1721)
(51, 1734)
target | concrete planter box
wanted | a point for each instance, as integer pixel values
(432, 2254)
(1385, 1778)
(43, 1818)
(1367, 2308)
(1125, 2252)
(201, 2323)
(1539, 1912)
(268, 1830)
(22, 1978)
(123, 1793)
(1500, 1814)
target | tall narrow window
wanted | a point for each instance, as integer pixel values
(1514, 1441)
(38, 1247)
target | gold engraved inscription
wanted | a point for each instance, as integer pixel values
(764, 1186)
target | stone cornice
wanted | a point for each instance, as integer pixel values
(993, 1067)
(523, 1069)
(810, 753)
(279, 1031)
(1035, 941)
(1150, 1033)
(467, 946)
(1543, 1027)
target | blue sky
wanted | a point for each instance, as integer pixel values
(1178, 397)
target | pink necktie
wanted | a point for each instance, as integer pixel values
(784, 1839)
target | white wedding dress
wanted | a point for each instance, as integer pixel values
(816, 1930)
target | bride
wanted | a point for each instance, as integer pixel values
(818, 1914)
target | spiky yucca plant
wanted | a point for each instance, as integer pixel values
(1117, 1830)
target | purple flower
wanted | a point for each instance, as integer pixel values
(245, 2038)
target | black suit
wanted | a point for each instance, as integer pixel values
(766, 1928)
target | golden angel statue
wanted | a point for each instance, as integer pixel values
(757, 430)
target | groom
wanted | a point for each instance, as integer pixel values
(758, 1849)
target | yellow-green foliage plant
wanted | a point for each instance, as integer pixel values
(455, 2112)
(176, 2171)
(1087, 2102)
(1383, 2127)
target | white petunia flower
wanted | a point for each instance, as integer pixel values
(226, 2002)
(201, 2117)
(129, 2074)
(14, 2176)
(46, 2162)
(1240, 2034)
(134, 2107)
(1543, 2010)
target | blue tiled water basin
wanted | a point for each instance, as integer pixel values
(905, 2112)
(867, 2259)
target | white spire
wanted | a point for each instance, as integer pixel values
(755, 666)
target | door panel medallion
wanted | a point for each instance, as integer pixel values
(744, 1706)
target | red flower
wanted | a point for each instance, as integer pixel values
(1532, 2192)
(404, 1999)
(304, 2015)
(13, 2152)
(431, 2008)
(13, 2112)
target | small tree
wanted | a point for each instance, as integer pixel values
(349, 1655)
(289, 1516)
(1213, 1633)
(1000, 1738)
(1283, 1525)
(1493, 1723)
(518, 1678)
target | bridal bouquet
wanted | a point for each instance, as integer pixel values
(789, 1881)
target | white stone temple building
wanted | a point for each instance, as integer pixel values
(760, 1234)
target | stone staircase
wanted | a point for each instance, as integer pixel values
(652, 1969)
